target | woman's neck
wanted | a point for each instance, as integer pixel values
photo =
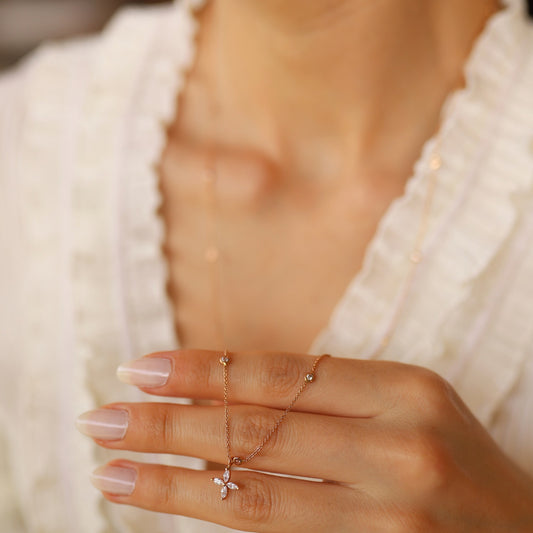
(362, 77)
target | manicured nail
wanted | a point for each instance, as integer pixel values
(105, 424)
(145, 372)
(114, 479)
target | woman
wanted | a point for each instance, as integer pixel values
(311, 115)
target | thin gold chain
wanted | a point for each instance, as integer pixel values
(212, 253)
(416, 255)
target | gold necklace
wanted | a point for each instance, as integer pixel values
(416, 255)
(212, 256)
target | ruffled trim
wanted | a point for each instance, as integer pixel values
(474, 214)
(144, 268)
(120, 278)
(50, 398)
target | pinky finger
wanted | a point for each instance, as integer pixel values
(261, 503)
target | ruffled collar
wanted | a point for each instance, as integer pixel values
(473, 214)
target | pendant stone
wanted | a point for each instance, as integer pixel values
(224, 483)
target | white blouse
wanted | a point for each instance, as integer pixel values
(82, 275)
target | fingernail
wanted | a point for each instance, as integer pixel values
(114, 479)
(105, 424)
(145, 372)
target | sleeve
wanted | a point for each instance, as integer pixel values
(11, 118)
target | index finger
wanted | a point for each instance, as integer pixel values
(341, 387)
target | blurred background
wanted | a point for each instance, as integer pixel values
(25, 23)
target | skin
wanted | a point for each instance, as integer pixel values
(399, 449)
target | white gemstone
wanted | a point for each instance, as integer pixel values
(224, 492)
(415, 256)
(226, 475)
(435, 162)
(232, 485)
(218, 481)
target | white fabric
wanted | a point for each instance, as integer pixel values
(82, 276)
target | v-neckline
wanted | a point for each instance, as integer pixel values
(402, 212)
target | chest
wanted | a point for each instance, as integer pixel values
(286, 256)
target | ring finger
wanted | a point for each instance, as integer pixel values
(261, 502)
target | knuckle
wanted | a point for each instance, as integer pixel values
(430, 392)
(428, 463)
(168, 428)
(280, 376)
(393, 517)
(249, 429)
(412, 521)
(168, 493)
(255, 504)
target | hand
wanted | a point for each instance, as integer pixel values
(400, 450)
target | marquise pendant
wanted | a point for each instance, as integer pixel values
(225, 483)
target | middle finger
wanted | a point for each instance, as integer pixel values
(310, 445)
